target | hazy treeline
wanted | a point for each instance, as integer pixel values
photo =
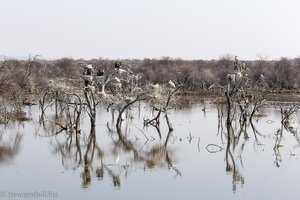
(19, 77)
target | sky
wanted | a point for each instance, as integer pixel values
(138, 29)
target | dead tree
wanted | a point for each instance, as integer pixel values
(89, 93)
(235, 90)
(115, 76)
(119, 120)
(155, 122)
(239, 93)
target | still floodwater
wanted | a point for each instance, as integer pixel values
(194, 164)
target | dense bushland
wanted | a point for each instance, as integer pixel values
(24, 77)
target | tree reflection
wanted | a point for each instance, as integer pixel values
(287, 116)
(231, 161)
(88, 158)
(124, 156)
(161, 156)
(237, 136)
(125, 153)
(9, 146)
(235, 144)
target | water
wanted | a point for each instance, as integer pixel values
(194, 163)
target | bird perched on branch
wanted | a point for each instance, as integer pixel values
(100, 72)
(117, 65)
(117, 79)
(88, 70)
(171, 84)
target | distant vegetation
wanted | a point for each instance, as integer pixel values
(23, 77)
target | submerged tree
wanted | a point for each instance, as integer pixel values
(241, 96)
(89, 93)
(235, 89)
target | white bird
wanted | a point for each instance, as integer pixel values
(122, 71)
(117, 79)
(171, 84)
(89, 66)
(238, 76)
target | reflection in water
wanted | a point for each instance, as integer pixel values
(88, 158)
(231, 161)
(80, 150)
(126, 154)
(9, 146)
(239, 132)
(237, 136)
(105, 154)
(276, 148)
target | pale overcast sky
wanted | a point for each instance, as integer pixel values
(188, 29)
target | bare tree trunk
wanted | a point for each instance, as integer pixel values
(90, 98)
(229, 106)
